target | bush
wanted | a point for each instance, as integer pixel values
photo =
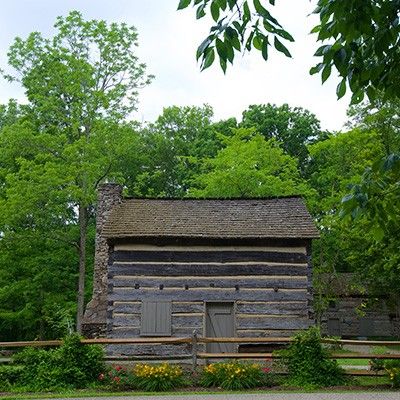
(72, 365)
(308, 363)
(155, 378)
(392, 368)
(118, 378)
(10, 375)
(234, 375)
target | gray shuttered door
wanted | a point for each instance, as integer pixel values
(156, 318)
(220, 323)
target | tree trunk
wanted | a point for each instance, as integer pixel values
(82, 266)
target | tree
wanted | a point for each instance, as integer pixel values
(292, 127)
(79, 85)
(361, 40)
(175, 144)
(249, 166)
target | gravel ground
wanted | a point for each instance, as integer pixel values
(264, 396)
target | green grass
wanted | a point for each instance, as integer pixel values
(363, 383)
(371, 381)
(353, 361)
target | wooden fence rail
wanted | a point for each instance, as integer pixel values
(195, 354)
(199, 339)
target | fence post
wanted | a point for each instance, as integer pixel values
(194, 350)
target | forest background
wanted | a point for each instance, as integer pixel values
(76, 132)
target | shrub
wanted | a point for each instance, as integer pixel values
(118, 378)
(392, 368)
(308, 363)
(376, 364)
(234, 375)
(72, 365)
(155, 378)
(10, 375)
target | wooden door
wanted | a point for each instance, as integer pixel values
(220, 323)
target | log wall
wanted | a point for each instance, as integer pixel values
(269, 286)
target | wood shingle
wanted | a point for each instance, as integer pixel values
(285, 217)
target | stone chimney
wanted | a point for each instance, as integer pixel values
(94, 321)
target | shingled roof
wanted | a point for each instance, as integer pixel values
(241, 218)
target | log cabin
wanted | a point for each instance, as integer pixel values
(227, 267)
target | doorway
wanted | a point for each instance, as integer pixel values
(220, 322)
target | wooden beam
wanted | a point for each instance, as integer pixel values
(34, 343)
(208, 256)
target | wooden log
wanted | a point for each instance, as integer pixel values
(189, 319)
(208, 256)
(125, 332)
(244, 340)
(139, 358)
(264, 333)
(211, 269)
(273, 308)
(149, 350)
(177, 307)
(277, 355)
(237, 355)
(154, 247)
(220, 282)
(138, 341)
(126, 320)
(188, 306)
(268, 322)
(211, 294)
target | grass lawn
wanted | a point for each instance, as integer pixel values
(353, 361)
(357, 384)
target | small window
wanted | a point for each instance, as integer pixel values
(156, 318)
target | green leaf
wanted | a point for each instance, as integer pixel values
(326, 72)
(259, 8)
(229, 50)
(280, 47)
(322, 50)
(378, 233)
(200, 13)
(246, 11)
(221, 49)
(203, 46)
(235, 43)
(208, 58)
(316, 29)
(264, 50)
(316, 68)
(183, 4)
(222, 4)
(222, 63)
(257, 42)
(215, 10)
(284, 34)
(341, 88)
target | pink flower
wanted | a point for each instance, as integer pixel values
(118, 368)
(101, 377)
(117, 379)
(267, 370)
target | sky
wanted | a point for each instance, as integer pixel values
(167, 44)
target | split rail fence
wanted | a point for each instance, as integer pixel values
(195, 354)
